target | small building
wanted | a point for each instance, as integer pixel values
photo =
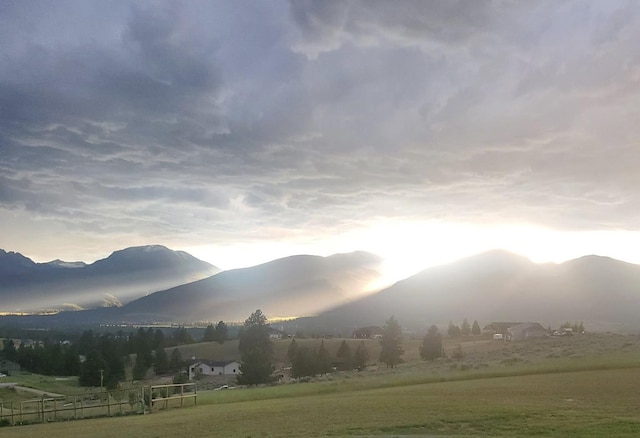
(526, 330)
(371, 332)
(213, 368)
(276, 334)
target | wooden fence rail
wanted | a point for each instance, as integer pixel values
(97, 404)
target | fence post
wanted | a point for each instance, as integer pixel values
(13, 420)
(108, 404)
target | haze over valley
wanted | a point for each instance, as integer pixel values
(157, 285)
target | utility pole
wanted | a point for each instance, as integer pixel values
(101, 379)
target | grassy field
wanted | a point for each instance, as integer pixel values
(580, 387)
(581, 403)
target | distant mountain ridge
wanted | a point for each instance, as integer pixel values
(26, 286)
(495, 286)
(287, 287)
(500, 286)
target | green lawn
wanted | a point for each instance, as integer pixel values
(579, 403)
(581, 387)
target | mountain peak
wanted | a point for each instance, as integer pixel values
(15, 263)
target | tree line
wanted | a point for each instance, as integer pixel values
(99, 359)
(465, 329)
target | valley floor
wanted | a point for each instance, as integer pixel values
(584, 392)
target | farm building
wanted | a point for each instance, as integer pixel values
(213, 368)
(526, 330)
(371, 332)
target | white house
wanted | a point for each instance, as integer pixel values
(213, 368)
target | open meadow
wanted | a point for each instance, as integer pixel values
(569, 387)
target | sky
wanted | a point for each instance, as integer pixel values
(244, 131)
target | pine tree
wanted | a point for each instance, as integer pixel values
(465, 329)
(255, 351)
(92, 371)
(361, 356)
(453, 331)
(175, 361)
(209, 333)
(324, 360)
(475, 329)
(431, 347)
(158, 339)
(391, 342)
(345, 361)
(293, 350)
(304, 363)
(160, 362)
(221, 332)
(181, 336)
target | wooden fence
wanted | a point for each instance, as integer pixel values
(98, 404)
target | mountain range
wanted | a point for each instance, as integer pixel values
(128, 274)
(499, 286)
(330, 293)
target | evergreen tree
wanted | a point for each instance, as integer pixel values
(112, 353)
(475, 329)
(293, 350)
(255, 351)
(93, 370)
(323, 360)
(9, 349)
(304, 363)
(182, 337)
(465, 329)
(221, 332)
(361, 356)
(209, 333)
(86, 343)
(431, 347)
(175, 361)
(391, 343)
(345, 361)
(453, 331)
(160, 361)
(158, 340)
(140, 368)
(144, 353)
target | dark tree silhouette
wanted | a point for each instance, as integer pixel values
(255, 351)
(391, 343)
(431, 347)
(361, 357)
(345, 361)
(475, 329)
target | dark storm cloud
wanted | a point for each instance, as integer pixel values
(152, 118)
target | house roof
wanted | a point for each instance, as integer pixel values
(214, 363)
(528, 326)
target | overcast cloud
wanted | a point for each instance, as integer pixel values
(240, 122)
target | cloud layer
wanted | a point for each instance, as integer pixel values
(223, 122)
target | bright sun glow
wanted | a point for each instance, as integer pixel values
(409, 247)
